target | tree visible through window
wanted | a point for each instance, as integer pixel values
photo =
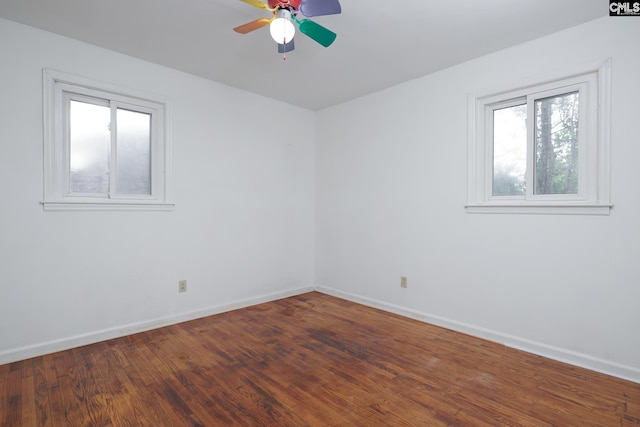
(556, 144)
(542, 147)
(556, 124)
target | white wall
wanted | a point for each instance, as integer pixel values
(242, 230)
(391, 187)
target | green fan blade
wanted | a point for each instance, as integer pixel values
(317, 32)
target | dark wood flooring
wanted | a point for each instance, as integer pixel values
(309, 360)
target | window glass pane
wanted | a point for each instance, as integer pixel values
(509, 150)
(556, 144)
(89, 142)
(134, 152)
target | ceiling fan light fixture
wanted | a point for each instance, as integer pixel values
(282, 29)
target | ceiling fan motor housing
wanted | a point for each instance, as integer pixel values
(285, 4)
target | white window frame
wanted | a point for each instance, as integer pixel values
(58, 89)
(593, 82)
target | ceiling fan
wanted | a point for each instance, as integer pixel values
(285, 13)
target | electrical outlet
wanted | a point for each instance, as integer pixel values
(182, 286)
(403, 281)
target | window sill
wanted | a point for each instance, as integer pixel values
(120, 205)
(540, 209)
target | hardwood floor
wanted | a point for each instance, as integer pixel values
(310, 360)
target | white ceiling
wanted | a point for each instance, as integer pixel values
(380, 43)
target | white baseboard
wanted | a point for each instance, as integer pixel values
(49, 347)
(556, 353)
(540, 349)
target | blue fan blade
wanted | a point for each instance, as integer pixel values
(284, 48)
(320, 7)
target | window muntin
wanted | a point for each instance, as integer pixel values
(104, 148)
(564, 125)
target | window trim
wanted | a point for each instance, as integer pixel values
(58, 86)
(594, 192)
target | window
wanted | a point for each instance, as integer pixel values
(106, 148)
(542, 148)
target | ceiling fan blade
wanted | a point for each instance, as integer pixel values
(253, 25)
(317, 32)
(320, 7)
(284, 48)
(256, 3)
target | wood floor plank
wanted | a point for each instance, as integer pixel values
(28, 416)
(71, 409)
(309, 360)
(41, 402)
(14, 401)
